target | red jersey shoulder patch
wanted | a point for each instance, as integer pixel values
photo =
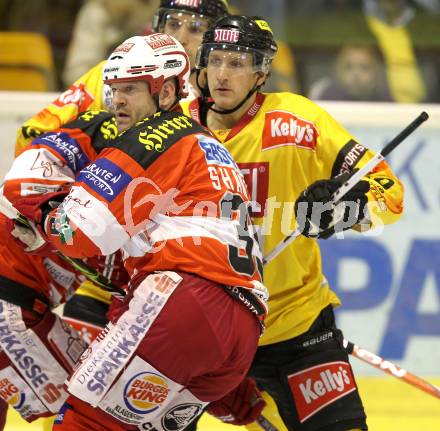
(283, 128)
(316, 387)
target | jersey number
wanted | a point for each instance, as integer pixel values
(232, 207)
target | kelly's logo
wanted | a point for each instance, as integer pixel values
(282, 128)
(316, 387)
(77, 95)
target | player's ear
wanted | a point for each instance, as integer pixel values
(167, 95)
(262, 78)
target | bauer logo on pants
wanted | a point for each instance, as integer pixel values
(316, 387)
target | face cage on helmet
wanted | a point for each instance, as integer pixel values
(261, 60)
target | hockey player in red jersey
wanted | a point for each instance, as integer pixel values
(32, 284)
(168, 194)
(186, 21)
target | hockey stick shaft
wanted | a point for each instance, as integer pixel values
(92, 274)
(354, 179)
(392, 369)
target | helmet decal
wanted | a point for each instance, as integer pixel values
(161, 40)
(224, 35)
(154, 58)
(263, 25)
(188, 3)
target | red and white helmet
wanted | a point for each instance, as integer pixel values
(154, 58)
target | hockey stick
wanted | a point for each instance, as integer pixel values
(354, 179)
(92, 274)
(392, 369)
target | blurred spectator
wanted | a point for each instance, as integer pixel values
(388, 20)
(99, 27)
(52, 18)
(358, 75)
(283, 76)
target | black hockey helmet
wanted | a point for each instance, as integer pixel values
(210, 9)
(242, 34)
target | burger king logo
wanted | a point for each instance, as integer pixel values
(145, 392)
(10, 393)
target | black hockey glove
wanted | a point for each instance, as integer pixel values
(317, 217)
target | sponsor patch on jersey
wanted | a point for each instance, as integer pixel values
(17, 394)
(112, 349)
(215, 153)
(347, 158)
(109, 129)
(161, 135)
(27, 189)
(316, 387)
(256, 176)
(59, 225)
(224, 35)
(77, 95)
(67, 147)
(69, 343)
(105, 178)
(282, 128)
(160, 40)
(146, 392)
(180, 416)
(140, 391)
(11, 342)
(59, 274)
(10, 394)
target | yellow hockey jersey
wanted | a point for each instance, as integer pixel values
(87, 93)
(282, 144)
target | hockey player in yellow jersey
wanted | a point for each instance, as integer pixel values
(292, 152)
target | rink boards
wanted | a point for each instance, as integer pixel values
(389, 280)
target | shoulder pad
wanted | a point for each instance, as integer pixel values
(150, 138)
(99, 125)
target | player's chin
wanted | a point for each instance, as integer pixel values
(225, 101)
(123, 123)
